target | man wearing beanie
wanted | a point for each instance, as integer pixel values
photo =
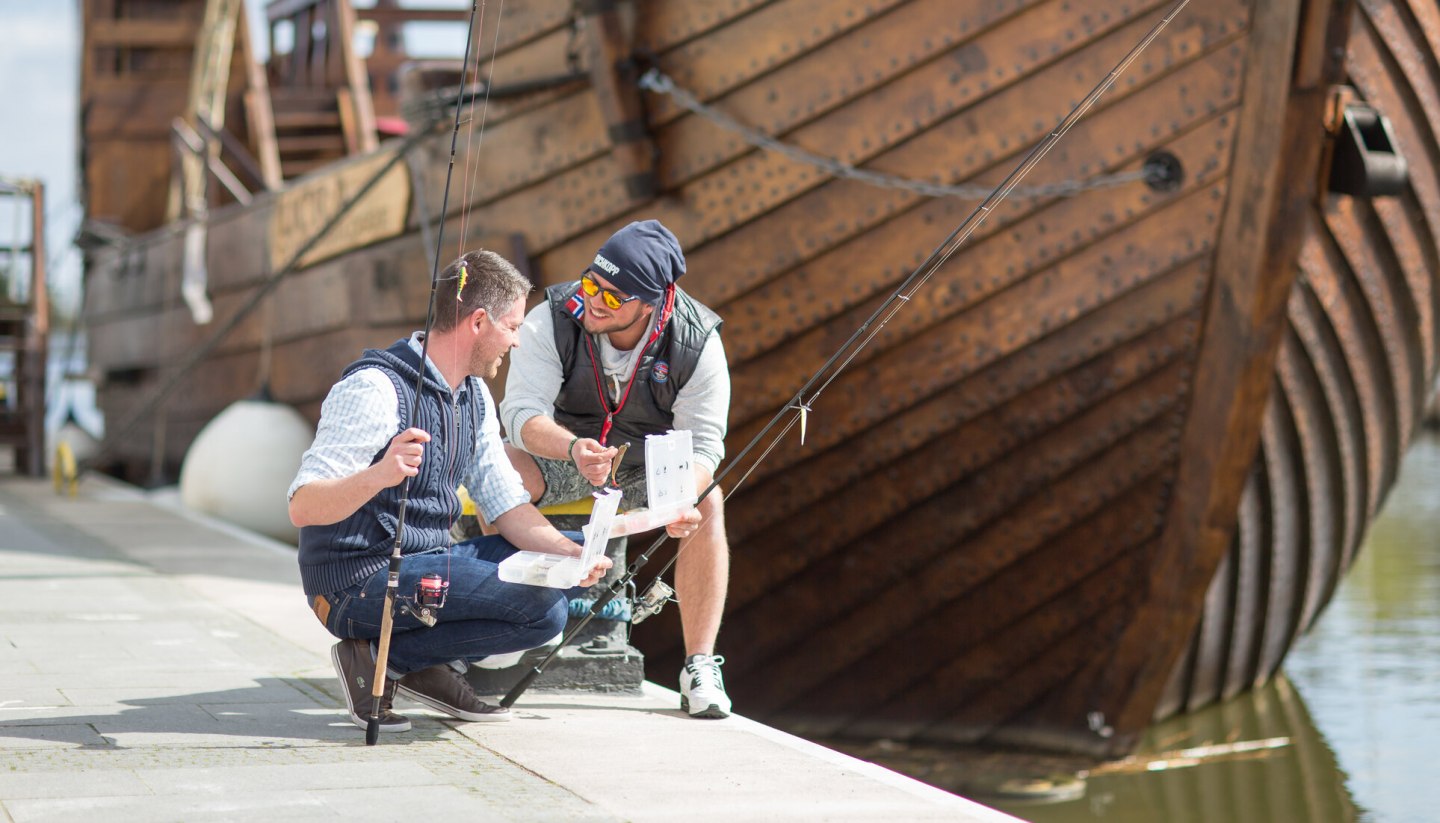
(661, 366)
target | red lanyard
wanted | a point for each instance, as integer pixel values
(610, 413)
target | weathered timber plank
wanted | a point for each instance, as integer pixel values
(1288, 533)
(1166, 296)
(866, 131)
(1074, 357)
(1318, 454)
(1396, 318)
(1290, 67)
(1328, 278)
(1209, 652)
(122, 186)
(996, 317)
(1015, 668)
(1316, 338)
(1252, 584)
(1033, 584)
(139, 34)
(788, 609)
(1036, 234)
(1021, 663)
(135, 112)
(1060, 489)
(665, 24)
(810, 56)
(532, 148)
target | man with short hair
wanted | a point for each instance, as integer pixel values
(608, 359)
(347, 498)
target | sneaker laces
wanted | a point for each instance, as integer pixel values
(705, 672)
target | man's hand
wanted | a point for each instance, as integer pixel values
(686, 525)
(592, 459)
(602, 565)
(403, 457)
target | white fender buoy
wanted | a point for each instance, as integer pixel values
(82, 444)
(241, 463)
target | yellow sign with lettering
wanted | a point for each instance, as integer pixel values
(304, 209)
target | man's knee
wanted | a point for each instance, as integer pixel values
(712, 508)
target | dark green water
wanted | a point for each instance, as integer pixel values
(1359, 702)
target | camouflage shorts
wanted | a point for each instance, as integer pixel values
(564, 484)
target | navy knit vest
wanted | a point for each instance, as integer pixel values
(664, 369)
(337, 556)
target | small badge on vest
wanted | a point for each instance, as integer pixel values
(660, 372)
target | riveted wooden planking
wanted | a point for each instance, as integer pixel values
(1037, 233)
(832, 69)
(984, 499)
(1070, 473)
(944, 341)
(926, 87)
(509, 155)
(1034, 582)
(754, 47)
(664, 24)
(823, 220)
(1072, 355)
(840, 535)
(955, 630)
(1166, 296)
(759, 182)
(558, 205)
(1023, 669)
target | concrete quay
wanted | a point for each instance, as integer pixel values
(156, 665)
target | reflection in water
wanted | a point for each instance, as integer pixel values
(1297, 781)
(1370, 670)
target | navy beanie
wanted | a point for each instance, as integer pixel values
(641, 259)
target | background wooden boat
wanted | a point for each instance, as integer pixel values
(1104, 468)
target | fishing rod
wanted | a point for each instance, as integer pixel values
(392, 580)
(659, 591)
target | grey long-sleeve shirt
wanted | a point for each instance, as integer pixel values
(702, 406)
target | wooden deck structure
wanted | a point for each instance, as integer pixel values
(24, 327)
(1105, 467)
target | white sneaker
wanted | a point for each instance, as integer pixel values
(702, 689)
(508, 659)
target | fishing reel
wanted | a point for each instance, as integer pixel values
(652, 601)
(430, 592)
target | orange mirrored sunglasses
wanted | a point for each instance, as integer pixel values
(613, 300)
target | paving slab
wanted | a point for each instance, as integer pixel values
(159, 665)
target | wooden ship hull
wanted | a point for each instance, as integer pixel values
(1106, 467)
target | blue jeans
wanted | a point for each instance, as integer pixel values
(483, 615)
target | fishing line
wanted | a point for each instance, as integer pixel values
(392, 583)
(831, 369)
